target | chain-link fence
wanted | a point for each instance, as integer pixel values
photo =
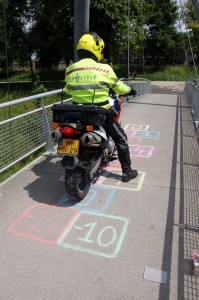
(192, 93)
(26, 133)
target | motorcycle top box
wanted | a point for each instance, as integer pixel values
(85, 114)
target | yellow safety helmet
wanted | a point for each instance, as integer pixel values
(92, 43)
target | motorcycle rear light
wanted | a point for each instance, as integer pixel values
(69, 131)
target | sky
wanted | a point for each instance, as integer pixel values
(181, 23)
(182, 1)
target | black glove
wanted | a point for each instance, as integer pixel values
(132, 91)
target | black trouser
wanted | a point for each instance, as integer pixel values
(117, 133)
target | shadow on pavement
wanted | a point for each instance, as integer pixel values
(48, 187)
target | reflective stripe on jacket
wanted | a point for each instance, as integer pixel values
(88, 82)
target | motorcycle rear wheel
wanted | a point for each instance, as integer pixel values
(77, 184)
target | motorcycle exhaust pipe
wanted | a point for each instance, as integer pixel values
(91, 139)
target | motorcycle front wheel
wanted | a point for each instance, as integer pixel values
(77, 184)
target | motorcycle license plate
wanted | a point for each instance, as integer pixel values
(68, 146)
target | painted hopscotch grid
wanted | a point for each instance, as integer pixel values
(43, 223)
(146, 134)
(141, 151)
(104, 195)
(84, 231)
(136, 127)
(88, 233)
(132, 140)
(114, 180)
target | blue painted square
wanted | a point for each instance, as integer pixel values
(96, 201)
(146, 134)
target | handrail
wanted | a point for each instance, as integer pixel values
(141, 85)
(29, 98)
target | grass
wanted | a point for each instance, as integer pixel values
(172, 73)
(21, 76)
(167, 73)
(18, 109)
(44, 75)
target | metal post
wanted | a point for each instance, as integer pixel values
(196, 5)
(49, 142)
(6, 48)
(190, 46)
(142, 43)
(128, 39)
(81, 21)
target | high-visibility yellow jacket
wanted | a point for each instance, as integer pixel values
(88, 82)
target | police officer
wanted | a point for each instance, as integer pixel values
(88, 82)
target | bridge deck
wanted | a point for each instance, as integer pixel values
(124, 240)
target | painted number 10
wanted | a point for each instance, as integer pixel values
(105, 238)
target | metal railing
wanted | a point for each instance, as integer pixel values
(191, 92)
(24, 134)
(141, 85)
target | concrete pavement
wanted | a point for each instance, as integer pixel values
(129, 241)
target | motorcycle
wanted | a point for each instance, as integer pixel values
(83, 145)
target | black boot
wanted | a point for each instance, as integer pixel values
(128, 173)
(131, 174)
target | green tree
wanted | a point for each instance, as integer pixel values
(51, 32)
(160, 46)
(2, 35)
(109, 19)
(47, 29)
(15, 21)
(192, 24)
